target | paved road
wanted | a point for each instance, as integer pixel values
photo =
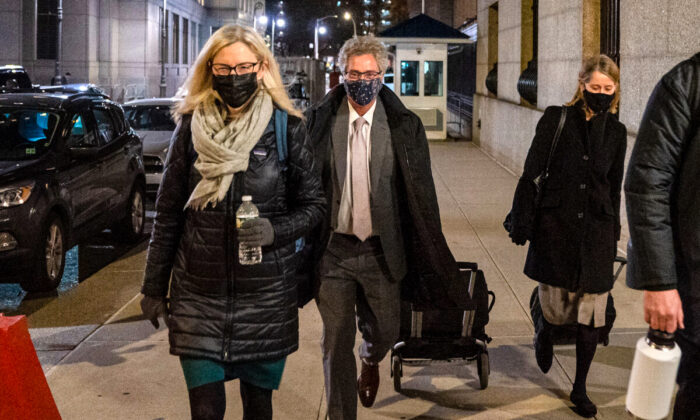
(101, 276)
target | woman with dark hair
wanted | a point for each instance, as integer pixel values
(574, 226)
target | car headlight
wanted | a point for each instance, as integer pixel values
(14, 196)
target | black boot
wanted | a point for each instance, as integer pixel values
(586, 343)
(544, 349)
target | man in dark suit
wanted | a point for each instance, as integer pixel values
(383, 223)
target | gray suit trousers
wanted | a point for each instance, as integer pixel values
(355, 284)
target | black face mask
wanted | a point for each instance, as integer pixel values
(361, 91)
(598, 102)
(235, 90)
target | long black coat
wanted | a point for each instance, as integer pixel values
(573, 239)
(220, 309)
(662, 192)
(432, 271)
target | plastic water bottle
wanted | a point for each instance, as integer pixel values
(247, 255)
(653, 376)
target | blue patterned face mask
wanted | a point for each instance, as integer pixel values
(363, 92)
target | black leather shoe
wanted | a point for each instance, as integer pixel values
(367, 384)
(544, 351)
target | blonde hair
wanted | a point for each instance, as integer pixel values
(199, 83)
(605, 65)
(361, 45)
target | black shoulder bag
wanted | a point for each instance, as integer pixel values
(541, 179)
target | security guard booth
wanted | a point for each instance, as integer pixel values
(420, 68)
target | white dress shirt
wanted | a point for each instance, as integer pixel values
(345, 210)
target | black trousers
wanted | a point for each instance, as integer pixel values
(688, 397)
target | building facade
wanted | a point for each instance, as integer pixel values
(647, 38)
(116, 44)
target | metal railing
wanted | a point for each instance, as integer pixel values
(462, 107)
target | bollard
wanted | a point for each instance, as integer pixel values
(24, 392)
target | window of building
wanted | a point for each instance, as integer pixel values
(46, 29)
(409, 78)
(176, 39)
(610, 29)
(492, 42)
(193, 38)
(527, 83)
(432, 78)
(185, 41)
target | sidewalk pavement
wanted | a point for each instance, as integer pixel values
(122, 369)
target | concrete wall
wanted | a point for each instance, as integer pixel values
(463, 10)
(11, 22)
(508, 49)
(115, 43)
(654, 36)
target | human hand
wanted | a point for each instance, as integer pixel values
(663, 310)
(153, 307)
(519, 236)
(256, 232)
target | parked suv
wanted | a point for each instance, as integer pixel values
(151, 120)
(70, 166)
(14, 77)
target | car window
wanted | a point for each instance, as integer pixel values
(150, 118)
(119, 121)
(25, 134)
(105, 125)
(80, 134)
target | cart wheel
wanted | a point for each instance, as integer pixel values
(483, 369)
(396, 373)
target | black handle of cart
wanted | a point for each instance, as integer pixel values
(622, 261)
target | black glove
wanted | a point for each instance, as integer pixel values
(153, 307)
(519, 236)
(256, 232)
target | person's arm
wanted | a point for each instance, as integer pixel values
(615, 176)
(306, 202)
(169, 220)
(654, 165)
(523, 211)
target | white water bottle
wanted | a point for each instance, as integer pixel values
(653, 376)
(247, 255)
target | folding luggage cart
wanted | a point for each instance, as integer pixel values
(438, 335)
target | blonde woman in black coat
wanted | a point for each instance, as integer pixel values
(574, 231)
(227, 320)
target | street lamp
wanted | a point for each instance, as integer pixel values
(258, 5)
(348, 16)
(58, 79)
(163, 50)
(316, 30)
(281, 23)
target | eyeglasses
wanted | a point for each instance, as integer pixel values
(238, 69)
(366, 75)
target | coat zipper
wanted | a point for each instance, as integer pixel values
(229, 282)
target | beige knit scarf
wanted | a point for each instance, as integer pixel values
(224, 149)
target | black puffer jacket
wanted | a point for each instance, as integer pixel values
(662, 190)
(220, 309)
(573, 240)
